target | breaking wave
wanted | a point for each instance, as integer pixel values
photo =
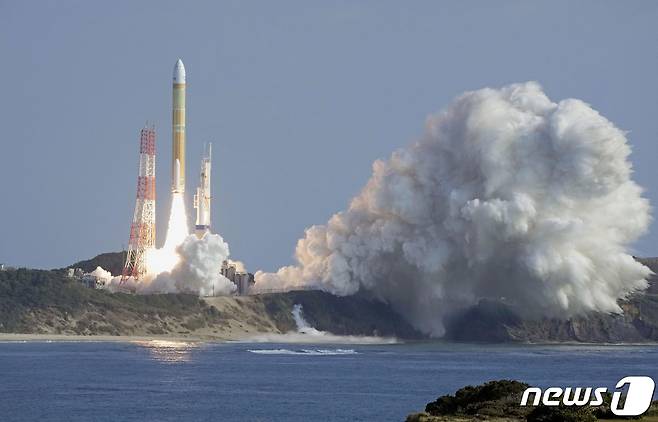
(305, 352)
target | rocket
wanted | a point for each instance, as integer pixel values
(202, 197)
(178, 130)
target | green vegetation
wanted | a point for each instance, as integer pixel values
(111, 261)
(561, 413)
(500, 401)
(494, 398)
(48, 302)
(38, 301)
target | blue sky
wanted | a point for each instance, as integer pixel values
(298, 98)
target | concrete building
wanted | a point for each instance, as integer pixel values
(242, 280)
(92, 282)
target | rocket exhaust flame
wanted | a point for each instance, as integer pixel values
(166, 258)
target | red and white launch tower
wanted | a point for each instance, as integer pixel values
(142, 229)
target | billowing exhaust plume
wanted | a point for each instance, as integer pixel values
(198, 270)
(195, 269)
(508, 196)
(184, 264)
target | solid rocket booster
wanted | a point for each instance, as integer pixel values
(178, 130)
(203, 196)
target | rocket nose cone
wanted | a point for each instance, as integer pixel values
(179, 72)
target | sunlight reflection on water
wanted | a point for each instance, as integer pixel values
(168, 351)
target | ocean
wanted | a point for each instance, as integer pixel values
(171, 381)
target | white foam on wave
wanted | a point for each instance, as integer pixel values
(305, 352)
(326, 338)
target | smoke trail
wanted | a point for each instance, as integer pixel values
(507, 196)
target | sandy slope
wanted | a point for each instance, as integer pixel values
(241, 318)
(5, 337)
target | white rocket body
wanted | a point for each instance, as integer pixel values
(203, 195)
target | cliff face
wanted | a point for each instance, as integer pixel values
(491, 321)
(342, 315)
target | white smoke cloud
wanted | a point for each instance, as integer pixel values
(102, 275)
(507, 195)
(198, 270)
(239, 266)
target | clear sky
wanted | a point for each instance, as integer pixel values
(298, 97)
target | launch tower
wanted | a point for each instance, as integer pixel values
(142, 229)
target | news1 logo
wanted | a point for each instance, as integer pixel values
(638, 396)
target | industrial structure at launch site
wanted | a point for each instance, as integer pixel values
(142, 230)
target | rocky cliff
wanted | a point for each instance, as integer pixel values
(492, 321)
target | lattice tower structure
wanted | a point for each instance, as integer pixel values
(142, 229)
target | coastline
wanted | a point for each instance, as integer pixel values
(274, 338)
(74, 338)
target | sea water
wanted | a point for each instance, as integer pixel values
(174, 381)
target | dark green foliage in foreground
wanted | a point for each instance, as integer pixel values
(501, 399)
(561, 413)
(494, 398)
(111, 261)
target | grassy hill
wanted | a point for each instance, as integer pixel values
(110, 261)
(38, 301)
(47, 302)
(34, 301)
